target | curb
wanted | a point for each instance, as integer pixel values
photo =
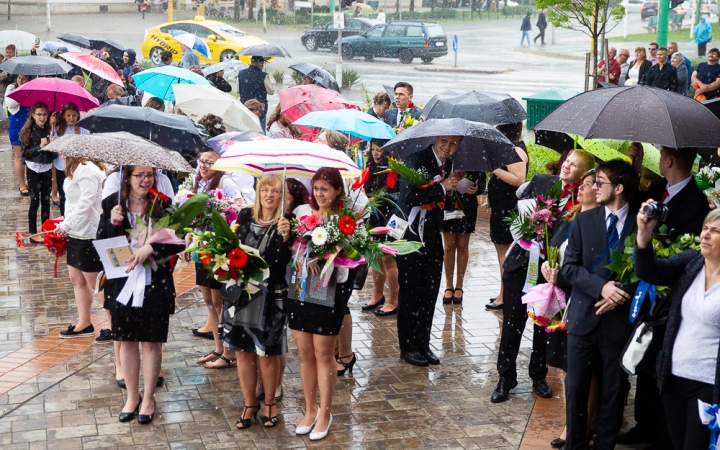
(466, 69)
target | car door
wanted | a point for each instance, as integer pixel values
(366, 44)
(392, 40)
(353, 27)
(327, 36)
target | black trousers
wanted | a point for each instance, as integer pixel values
(583, 352)
(702, 48)
(681, 410)
(514, 319)
(649, 411)
(60, 180)
(420, 275)
(40, 187)
(541, 35)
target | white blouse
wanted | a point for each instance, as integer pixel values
(83, 201)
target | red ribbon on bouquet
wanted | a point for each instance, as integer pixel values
(56, 244)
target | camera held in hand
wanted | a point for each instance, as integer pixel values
(656, 210)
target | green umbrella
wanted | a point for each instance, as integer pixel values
(607, 149)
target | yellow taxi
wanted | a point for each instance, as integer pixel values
(224, 40)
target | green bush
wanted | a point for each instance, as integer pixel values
(349, 77)
(297, 77)
(279, 76)
(146, 64)
(539, 156)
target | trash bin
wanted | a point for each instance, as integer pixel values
(374, 4)
(543, 103)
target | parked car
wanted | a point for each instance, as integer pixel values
(707, 7)
(325, 36)
(224, 40)
(403, 40)
(632, 5)
(648, 9)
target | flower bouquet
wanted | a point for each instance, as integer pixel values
(418, 178)
(56, 244)
(406, 119)
(546, 302)
(707, 177)
(536, 224)
(216, 201)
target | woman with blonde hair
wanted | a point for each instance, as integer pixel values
(639, 67)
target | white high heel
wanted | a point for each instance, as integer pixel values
(316, 436)
(300, 430)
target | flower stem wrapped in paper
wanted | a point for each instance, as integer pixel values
(546, 302)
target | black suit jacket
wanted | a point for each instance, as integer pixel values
(587, 243)
(686, 210)
(390, 115)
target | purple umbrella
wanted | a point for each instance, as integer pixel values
(55, 93)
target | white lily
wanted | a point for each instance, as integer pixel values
(221, 262)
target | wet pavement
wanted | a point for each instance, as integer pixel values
(62, 394)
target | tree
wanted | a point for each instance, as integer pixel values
(251, 4)
(592, 17)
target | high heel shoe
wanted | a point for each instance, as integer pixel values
(347, 366)
(144, 419)
(272, 421)
(128, 416)
(448, 300)
(317, 435)
(300, 429)
(246, 423)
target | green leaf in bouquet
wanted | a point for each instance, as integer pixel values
(411, 175)
(222, 229)
(405, 247)
(555, 191)
(188, 211)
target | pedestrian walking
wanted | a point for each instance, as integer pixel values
(252, 85)
(541, 24)
(18, 117)
(35, 135)
(702, 35)
(525, 27)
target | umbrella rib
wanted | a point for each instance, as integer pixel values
(667, 111)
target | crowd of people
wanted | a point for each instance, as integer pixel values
(603, 205)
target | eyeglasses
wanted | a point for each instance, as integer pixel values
(143, 176)
(205, 163)
(600, 183)
(270, 191)
(652, 49)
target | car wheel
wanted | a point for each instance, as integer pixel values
(427, 59)
(347, 52)
(155, 55)
(228, 55)
(369, 58)
(311, 43)
(405, 56)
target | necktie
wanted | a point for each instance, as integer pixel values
(612, 234)
(440, 170)
(665, 195)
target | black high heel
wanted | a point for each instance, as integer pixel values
(144, 419)
(448, 300)
(347, 366)
(272, 421)
(246, 423)
(128, 416)
(457, 300)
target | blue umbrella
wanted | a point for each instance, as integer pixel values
(191, 41)
(159, 81)
(55, 46)
(348, 121)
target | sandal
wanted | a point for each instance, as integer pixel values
(448, 300)
(247, 422)
(24, 192)
(208, 355)
(230, 363)
(269, 422)
(457, 300)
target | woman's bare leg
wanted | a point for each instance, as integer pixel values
(151, 361)
(227, 353)
(208, 295)
(463, 244)
(309, 372)
(19, 167)
(326, 377)
(345, 341)
(450, 241)
(390, 269)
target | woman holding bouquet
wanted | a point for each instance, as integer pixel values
(263, 228)
(315, 327)
(143, 320)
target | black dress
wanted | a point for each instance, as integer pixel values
(270, 339)
(502, 200)
(149, 323)
(465, 202)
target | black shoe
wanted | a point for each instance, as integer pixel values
(282, 393)
(144, 419)
(557, 443)
(492, 306)
(347, 366)
(381, 313)
(205, 334)
(431, 357)
(414, 358)
(121, 383)
(369, 307)
(160, 382)
(635, 435)
(502, 391)
(104, 336)
(457, 300)
(542, 388)
(71, 333)
(448, 300)
(128, 416)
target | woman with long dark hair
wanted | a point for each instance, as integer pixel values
(64, 124)
(35, 135)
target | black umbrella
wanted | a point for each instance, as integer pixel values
(488, 107)
(266, 51)
(117, 49)
(75, 39)
(321, 76)
(482, 149)
(636, 114)
(390, 91)
(168, 130)
(555, 140)
(35, 66)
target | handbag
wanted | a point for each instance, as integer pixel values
(639, 342)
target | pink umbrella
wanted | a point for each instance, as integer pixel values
(93, 65)
(55, 92)
(297, 101)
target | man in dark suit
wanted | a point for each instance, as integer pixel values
(403, 105)
(420, 272)
(687, 208)
(597, 322)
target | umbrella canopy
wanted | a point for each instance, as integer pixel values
(300, 159)
(55, 46)
(225, 65)
(181, 164)
(189, 40)
(482, 149)
(22, 40)
(159, 81)
(93, 65)
(488, 107)
(169, 130)
(54, 92)
(665, 118)
(35, 66)
(120, 149)
(321, 76)
(197, 101)
(554, 140)
(297, 101)
(348, 121)
(608, 149)
(75, 39)
(266, 51)
(221, 142)
(117, 48)
(390, 90)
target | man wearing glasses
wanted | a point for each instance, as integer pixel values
(653, 48)
(622, 59)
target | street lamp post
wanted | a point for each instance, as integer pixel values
(47, 9)
(264, 17)
(662, 25)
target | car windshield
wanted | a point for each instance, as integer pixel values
(435, 31)
(230, 30)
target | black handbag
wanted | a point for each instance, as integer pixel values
(637, 350)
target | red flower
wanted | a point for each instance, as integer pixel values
(347, 225)
(221, 273)
(19, 239)
(392, 179)
(238, 258)
(360, 182)
(310, 222)
(205, 259)
(56, 244)
(411, 105)
(159, 195)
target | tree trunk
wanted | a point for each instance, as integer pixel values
(236, 10)
(412, 5)
(251, 3)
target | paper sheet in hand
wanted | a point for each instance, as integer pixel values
(114, 253)
(464, 184)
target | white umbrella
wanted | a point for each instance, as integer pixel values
(22, 40)
(198, 100)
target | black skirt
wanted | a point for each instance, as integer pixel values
(203, 278)
(140, 326)
(463, 225)
(81, 254)
(318, 319)
(499, 229)
(557, 350)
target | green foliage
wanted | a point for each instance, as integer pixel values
(146, 64)
(222, 229)
(539, 156)
(297, 77)
(279, 76)
(189, 210)
(367, 100)
(349, 77)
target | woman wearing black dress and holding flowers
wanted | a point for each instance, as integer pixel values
(145, 320)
